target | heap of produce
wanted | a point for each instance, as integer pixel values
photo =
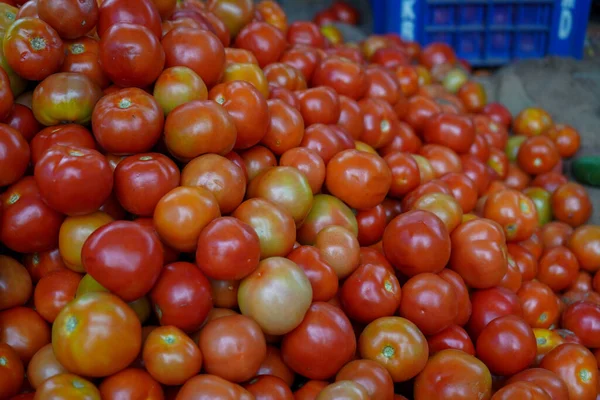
(202, 201)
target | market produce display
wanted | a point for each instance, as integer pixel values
(201, 201)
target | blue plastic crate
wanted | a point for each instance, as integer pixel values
(489, 32)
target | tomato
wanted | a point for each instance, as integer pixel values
(310, 390)
(428, 186)
(514, 211)
(571, 204)
(380, 122)
(443, 160)
(326, 211)
(537, 155)
(24, 330)
(344, 390)
(453, 374)
(224, 293)
(319, 105)
(370, 292)
(541, 307)
(237, 98)
(558, 268)
(473, 96)
(250, 73)
(585, 244)
(463, 189)
(139, 12)
(324, 334)
(306, 33)
(197, 49)
(532, 121)
(322, 277)
(385, 340)
(556, 233)
(547, 380)
(346, 77)
(521, 390)
(14, 156)
(370, 375)
(181, 296)
(54, 291)
(66, 135)
(274, 225)
(506, 345)
(27, 224)
(82, 325)
(43, 366)
(6, 94)
(235, 336)
(131, 55)
(513, 278)
(454, 131)
(273, 365)
(285, 76)
(409, 239)
(170, 356)
(72, 180)
(547, 340)
(286, 127)
(41, 264)
(444, 206)
(583, 283)
(217, 174)
(235, 13)
(550, 181)
(21, 118)
(206, 386)
(304, 58)
(71, 19)
(309, 163)
(269, 387)
(199, 127)
(82, 57)
(131, 383)
(371, 225)
(566, 138)
(576, 366)
(581, 318)
(323, 140)
(489, 304)
(498, 113)
(127, 113)
(15, 283)
(12, 370)
(477, 171)
(453, 337)
(33, 49)
(67, 386)
(256, 160)
(541, 199)
(264, 40)
(462, 295)
(53, 97)
(118, 267)
(391, 58)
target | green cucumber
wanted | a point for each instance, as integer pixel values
(586, 170)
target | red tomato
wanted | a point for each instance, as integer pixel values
(371, 225)
(453, 337)
(514, 211)
(207, 386)
(22, 119)
(305, 33)
(232, 337)
(498, 113)
(462, 295)
(454, 131)
(139, 12)
(131, 383)
(346, 77)
(43, 366)
(73, 180)
(371, 375)
(310, 390)
(473, 96)
(82, 57)
(54, 291)
(256, 160)
(324, 334)
(286, 127)
(581, 318)
(303, 58)
(538, 155)
(309, 163)
(532, 121)
(24, 330)
(319, 105)
(182, 296)
(547, 380)
(380, 122)
(67, 386)
(12, 371)
(15, 283)
(566, 138)
(585, 244)
(14, 157)
(284, 76)
(489, 304)
(541, 307)
(264, 40)
(558, 268)
(33, 49)
(119, 268)
(571, 204)
(577, 367)
(127, 121)
(67, 135)
(322, 277)
(506, 345)
(555, 233)
(453, 373)
(82, 324)
(197, 49)
(269, 387)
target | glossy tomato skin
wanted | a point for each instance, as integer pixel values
(178, 85)
(371, 375)
(286, 127)
(127, 121)
(306, 33)
(105, 257)
(409, 240)
(43, 366)
(22, 119)
(82, 57)
(319, 105)
(558, 268)
(577, 367)
(33, 49)
(187, 313)
(208, 386)
(371, 292)
(67, 386)
(131, 383)
(324, 334)
(131, 55)
(68, 135)
(429, 302)
(54, 291)
(12, 370)
(321, 275)
(27, 224)
(234, 336)
(24, 330)
(541, 307)
(264, 40)
(238, 98)
(453, 337)
(538, 155)
(70, 19)
(453, 374)
(228, 249)
(547, 380)
(585, 244)
(198, 50)
(489, 304)
(582, 319)
(199, 127)
(571, 204)
(80, 339)
(384, 341)
(456, 132)
(309, 163)
(53, 97)
(345, 76)
(304, 58)
(15, 155)
(479, 253)
(141, 12)
(514, 211)
(506, 345)
(367, 175)
(74, 181)
(7, 96)
(256, 160)
(16, 284)
(267, 386)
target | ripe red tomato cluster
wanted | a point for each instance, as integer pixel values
(199, 201)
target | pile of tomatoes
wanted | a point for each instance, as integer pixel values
(199, 201)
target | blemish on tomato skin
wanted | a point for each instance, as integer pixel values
(584, 375)
(71, 323)
(3, 361)
(388, 351)
(78, 384)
